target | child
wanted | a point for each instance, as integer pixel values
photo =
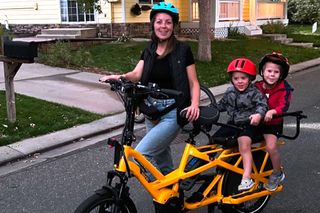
(245, 106)
(274, 69)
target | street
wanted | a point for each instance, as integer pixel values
(59, 180)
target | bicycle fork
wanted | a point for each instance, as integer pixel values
(117, 185)
(116, 180)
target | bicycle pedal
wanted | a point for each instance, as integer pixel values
(195, 197)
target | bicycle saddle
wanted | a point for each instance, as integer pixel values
(208, 115)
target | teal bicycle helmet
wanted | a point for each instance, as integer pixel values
(167, 8)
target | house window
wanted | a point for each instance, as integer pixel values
(195, 10)
(229, 10)
(71, 12)
(149, 1)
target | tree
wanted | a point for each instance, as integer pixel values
(204, 47)
(304, 11)
(89, 4)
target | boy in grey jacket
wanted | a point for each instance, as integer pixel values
(245, 106)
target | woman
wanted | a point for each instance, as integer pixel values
(170, 64)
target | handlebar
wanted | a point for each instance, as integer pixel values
(125, 86)
(299, 116)
(132, 94)
(294, 114)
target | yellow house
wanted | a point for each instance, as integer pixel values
(131, 17)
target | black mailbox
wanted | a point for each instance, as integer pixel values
(20, 49)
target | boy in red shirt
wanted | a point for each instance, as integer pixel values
(274, 69)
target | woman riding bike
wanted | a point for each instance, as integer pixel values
(170, 64)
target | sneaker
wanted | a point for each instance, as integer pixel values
(139, 118)
(245, 184)
(274, 181)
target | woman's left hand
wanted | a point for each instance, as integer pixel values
(192, 113)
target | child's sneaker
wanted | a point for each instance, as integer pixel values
(245, 184)
(274, 181)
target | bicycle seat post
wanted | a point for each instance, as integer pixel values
(192, 135)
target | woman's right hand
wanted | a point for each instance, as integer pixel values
(109, 77)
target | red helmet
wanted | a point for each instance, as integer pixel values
(276, 58)
(243, 65)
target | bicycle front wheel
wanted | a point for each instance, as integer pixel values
(105, 203)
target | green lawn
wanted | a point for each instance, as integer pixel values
(303, 33)
(122, 57)
(37, 117)
(303, 29)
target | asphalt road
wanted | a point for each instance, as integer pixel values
(57, 181)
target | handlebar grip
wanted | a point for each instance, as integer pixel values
(288, 114)
(295, 114)
(109, 81)
(172, 92)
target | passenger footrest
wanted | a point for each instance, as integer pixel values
(195, 197)
(187, 184)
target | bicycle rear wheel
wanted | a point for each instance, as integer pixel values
(105, 203)
(206, 96)
(230, 187)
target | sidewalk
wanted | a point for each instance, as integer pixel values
(78, 89)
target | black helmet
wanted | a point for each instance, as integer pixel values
(276, 58)
(167, 8)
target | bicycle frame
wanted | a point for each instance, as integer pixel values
(161, 192)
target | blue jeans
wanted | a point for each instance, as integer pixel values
(155, 145)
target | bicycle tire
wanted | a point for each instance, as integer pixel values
(211, 208)
(206, 96)
(104, 203)
(230, 186)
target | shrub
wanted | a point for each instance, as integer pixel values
(123, 38)
(62, 54)
(304, 11)
(272, 27)
(234, 33)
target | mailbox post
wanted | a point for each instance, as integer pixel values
(15, 54)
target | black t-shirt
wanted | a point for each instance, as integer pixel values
(160, 73)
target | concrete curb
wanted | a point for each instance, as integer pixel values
(304, 65)
(30, 146)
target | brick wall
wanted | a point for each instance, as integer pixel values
(135, 30)
(107, 30)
